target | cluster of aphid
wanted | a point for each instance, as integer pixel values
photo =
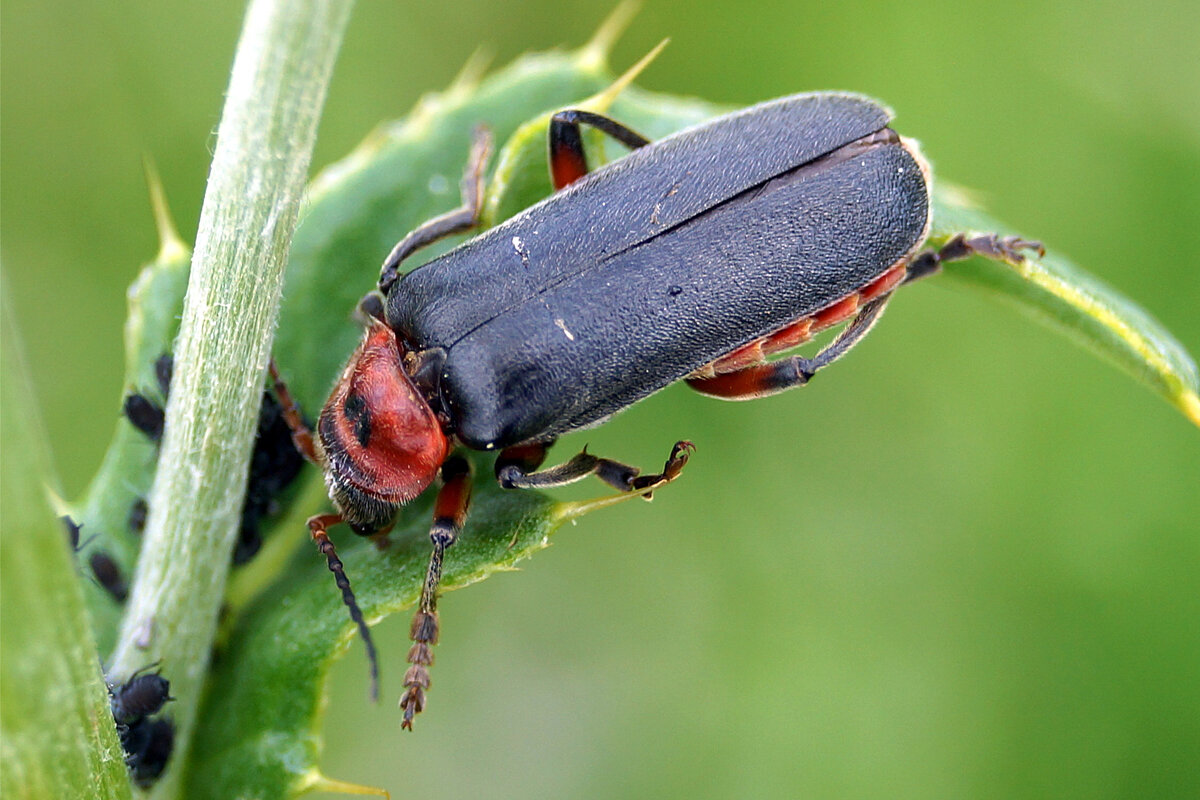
(146, 739)
(274, 464)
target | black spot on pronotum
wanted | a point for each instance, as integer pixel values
(359, 415)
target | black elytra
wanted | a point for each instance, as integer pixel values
(662, 262)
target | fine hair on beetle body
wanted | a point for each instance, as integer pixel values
(812, 201)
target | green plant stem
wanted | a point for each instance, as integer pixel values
(264, 144)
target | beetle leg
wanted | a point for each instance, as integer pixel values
(515, 465)
(761, 380)
(301, 434)
(319, 526)
(988, 245)
(568, 163)
(449, 514)
(459, 220)
(514, 473)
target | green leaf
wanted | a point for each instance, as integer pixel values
(57, 735)
(1059, 293)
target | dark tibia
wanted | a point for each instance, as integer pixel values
(514, 469)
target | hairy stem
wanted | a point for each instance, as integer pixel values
(264, 144)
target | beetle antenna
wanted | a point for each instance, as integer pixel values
(317, 525)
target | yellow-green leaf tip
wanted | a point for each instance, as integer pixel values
(594, 54)
(315, 781)
(600, 102)
(170, 246)
(1189, 404)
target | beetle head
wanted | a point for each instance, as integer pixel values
(383, 444)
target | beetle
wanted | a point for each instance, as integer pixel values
(695, 258)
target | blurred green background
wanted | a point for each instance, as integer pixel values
(963, 563)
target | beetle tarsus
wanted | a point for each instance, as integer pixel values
(424, 633)
(989, 245)
(680, 453)
(450, 513)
